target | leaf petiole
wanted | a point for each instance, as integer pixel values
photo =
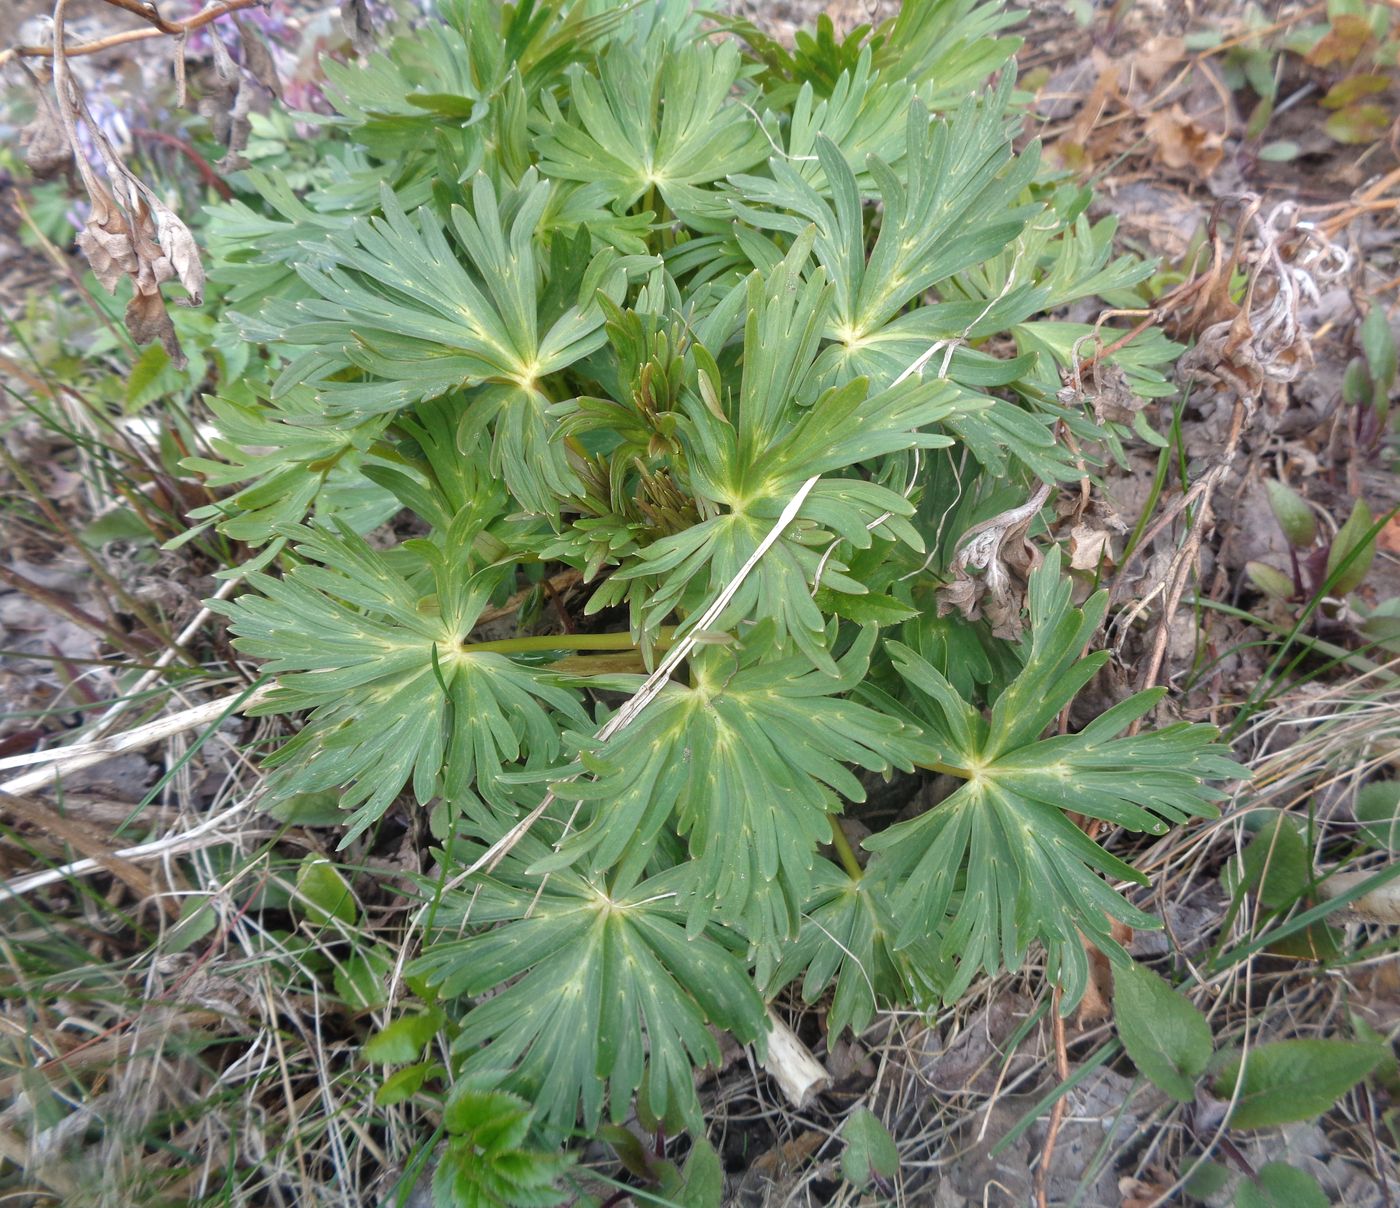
(946, 769)
(844, 850)
(565, 641)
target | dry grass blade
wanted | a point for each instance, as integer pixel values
(88, 840)
(212, 830)
(86, 754)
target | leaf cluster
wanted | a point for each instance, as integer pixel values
(589, 290)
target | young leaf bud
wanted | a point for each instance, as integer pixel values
(1351, 538)
(1356, 382)
(1291, 511)
(1271, 581)
(1378, 343)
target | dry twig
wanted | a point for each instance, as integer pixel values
(198, 21)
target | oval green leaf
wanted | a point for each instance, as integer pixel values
(323, 894)
(1165, 1035)
(1292, 1080)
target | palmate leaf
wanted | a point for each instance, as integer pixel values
(421, 316)
(1059, 259)
(946, 47)
(744, 764)
(1061, 343)
(256, 251)
(747, 457)
(1068, 258)
(653, 118)
(377, 657)
(394, 96)
(457, 65)
(1062, 259)
(847, 937)
(283, 460)
(613, 994)
(998, 865)
(954, 202)
(864, 114)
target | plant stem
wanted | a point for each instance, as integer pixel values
(147, 11)
(565, 641)
(213, 13)
(946, 768)
(843, 848)
(202, 166)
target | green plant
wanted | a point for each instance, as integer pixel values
(1277, 1082)
(760, 347)
(1370, 377)
(485, 1161)
(1321, 565)
(1348, 57)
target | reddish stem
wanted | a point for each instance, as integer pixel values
(204, 167)
(213, 13)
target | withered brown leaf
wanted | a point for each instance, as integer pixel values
(257, 56)
(148, 321)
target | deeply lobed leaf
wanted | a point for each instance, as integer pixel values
(743, 765)
(613, 992)
(378, 660)
(999, 865)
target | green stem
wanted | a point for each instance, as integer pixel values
(566, 641)
(946, 768)
(1355, 659)
(1149, 508)
(843, 848)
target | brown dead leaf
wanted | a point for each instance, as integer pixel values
(1089, 139)
(1222, 354)
(1347, 36)
(1112, 395)
(154, 248)
(1182, 142)
(240, 127)
(1157, 56)
(1145, 1193)
(257, 56)
(1090, 547)
(130, 233)
(220, 90)
(180, 252)
(1254, 346)
(997, 547)
(148, 322)
(1389, 537)
(106, 242)
(46, 150)
(1206, 298)
(970, 1057)
(358, 23)
(790, 1153)
(1096, 1005)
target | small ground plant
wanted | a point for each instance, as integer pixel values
(761, 355)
